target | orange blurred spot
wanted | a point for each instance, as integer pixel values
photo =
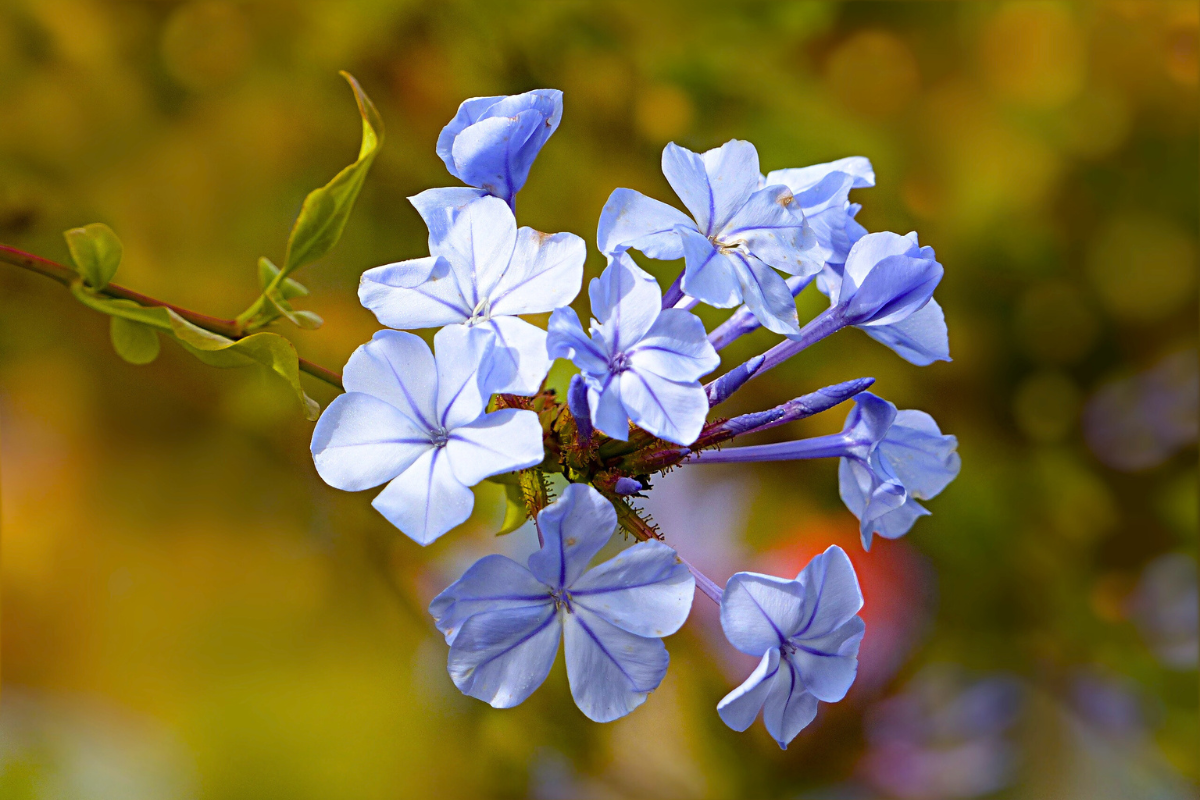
(206, 44)
(873, 73)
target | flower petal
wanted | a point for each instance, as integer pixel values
(608, 409)
(419, 293)
(828, 664)
(426, 500)
(463, 354)
(675, 347)
(610, 670)
(565, 338)
(798, 179)
(759, 612)
(831, 594)
(439, 207)
(575, 528)
(398, 368)
(493, 583)
(788, 708)
(708, 275)
(772, 226)
(646, 590)
(502, 441)
(921, 456)
(492, 153)
(361, 441)
(766, 294)
(470, 111)
(479, 246)
(625, 300)
(545, 273)
(519, 361)
(919, 339)
(501, 657)
(632, 220)
(671, 410)
(739, 708)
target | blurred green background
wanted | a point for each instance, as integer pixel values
(189, 612)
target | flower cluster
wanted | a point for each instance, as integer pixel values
(430, 425)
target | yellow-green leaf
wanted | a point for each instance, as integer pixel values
(266, 349)
(288, 288)
(96, 251)
(135, 342)
(515, 513)
(325, 211)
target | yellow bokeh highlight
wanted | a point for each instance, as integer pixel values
(1034, 53)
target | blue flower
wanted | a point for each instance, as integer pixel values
(642, 363)
(483, 271)
(807, 634)
(418, 424)
(900, 457)
(823, 193)
(739, 233)
(887, 278)
(503, 621)
(492, 141)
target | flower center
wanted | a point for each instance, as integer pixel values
(482, 312)
(439, 436)
(618, 363)
(562, 600)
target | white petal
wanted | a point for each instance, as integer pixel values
(626, 301)
(493, 583)
(759, 612)
(502, 656)
(788, 708)
(565, 338)
(920, 339)
(632, 220)
(361, 441)
(671, 410)
(831, 594)
(421, 293)
(462, 355)
(545, 273)
(827, 665)
(708, 275)
(575, 528)
(733, 176)
(610, 671)
(479, 245)
(503, 441)
(520, 360)
(766, 294)
(739, 708)
(646, 590)
(426, 500)
(772, 226)
(439, 207)
(675, 347)
(398, 368)
(608, 410)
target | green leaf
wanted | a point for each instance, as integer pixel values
(266, 349)
(515, 513)
(135, 342)
(96, 251)
(325, 211)
(305, 319)
(288, 289)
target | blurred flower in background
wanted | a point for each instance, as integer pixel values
(174, 571)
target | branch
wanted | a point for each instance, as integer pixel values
(225, 327)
